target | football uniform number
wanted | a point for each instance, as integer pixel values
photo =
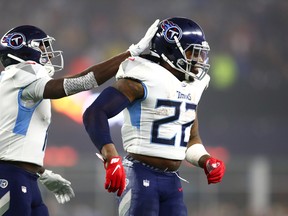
(157, 123)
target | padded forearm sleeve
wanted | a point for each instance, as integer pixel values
(109, 103)
(78, 84)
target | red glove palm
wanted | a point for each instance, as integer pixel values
(115, 176)
(214, 170)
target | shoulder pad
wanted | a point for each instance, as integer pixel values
(27, 72)
(136, 68)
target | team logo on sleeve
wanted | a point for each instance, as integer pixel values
(13, 40)
(171, 30)
(3, 183)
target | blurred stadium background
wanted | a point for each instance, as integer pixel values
(243, 114)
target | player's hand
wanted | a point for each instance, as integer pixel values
(143, 44)
(214, 170)
(58, 185)
(115, 176)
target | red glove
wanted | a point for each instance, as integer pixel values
(214, 170)
(115, 176)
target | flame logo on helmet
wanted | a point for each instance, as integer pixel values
(14, 40)
(170, 30)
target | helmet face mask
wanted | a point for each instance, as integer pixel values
(29, 43)
(52, 60)
(195, 61)
(181, 43)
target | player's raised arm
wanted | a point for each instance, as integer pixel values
(96, 74)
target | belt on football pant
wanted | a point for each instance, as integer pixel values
(33, 168)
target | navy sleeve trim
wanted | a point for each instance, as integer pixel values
(95, 118)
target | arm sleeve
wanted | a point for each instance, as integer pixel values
(95, 118)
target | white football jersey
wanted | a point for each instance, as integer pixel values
(24, 115)
(159, 124)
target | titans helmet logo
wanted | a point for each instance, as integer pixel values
(14, 40)
(171, 30)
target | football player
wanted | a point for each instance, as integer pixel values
(26, 87)
(159, 95)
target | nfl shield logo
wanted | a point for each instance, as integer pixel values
(24, 189)
(146, 183)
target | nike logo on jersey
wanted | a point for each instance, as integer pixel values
(116, 168)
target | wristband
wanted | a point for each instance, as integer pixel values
(195, 152)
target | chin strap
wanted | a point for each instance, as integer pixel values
(187, 76)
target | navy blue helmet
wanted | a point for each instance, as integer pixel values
(29, 43)
(174, 37)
